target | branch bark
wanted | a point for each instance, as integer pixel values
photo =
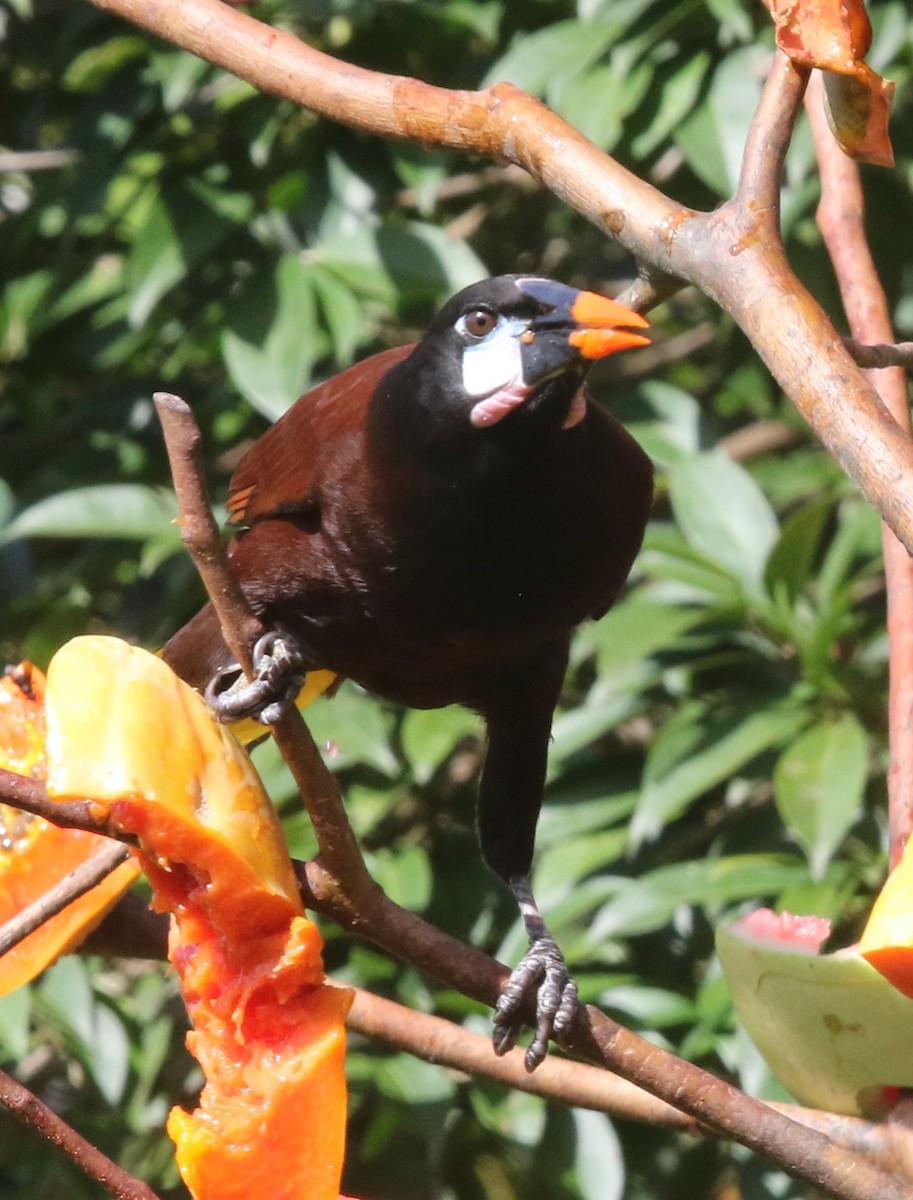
(34, 1113)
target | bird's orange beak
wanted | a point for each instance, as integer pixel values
(604, 326)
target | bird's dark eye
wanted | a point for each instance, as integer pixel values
(479, 321)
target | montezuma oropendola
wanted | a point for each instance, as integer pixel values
(433, 523)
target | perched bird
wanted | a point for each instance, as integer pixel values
(433, 523)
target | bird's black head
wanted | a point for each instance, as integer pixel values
(506, 349)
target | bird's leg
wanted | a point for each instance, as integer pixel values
(278, 677)
(542, 970)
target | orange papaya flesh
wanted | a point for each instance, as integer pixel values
(268, 1030)
(887, 940)
(36, 855)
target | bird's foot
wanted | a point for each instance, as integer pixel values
(541, 970)
(278, 677)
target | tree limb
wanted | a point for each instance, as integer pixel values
(34, 1113)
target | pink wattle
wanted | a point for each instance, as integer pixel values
(496, 406)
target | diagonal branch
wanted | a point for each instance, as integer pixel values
(240, 628)
(26, 1107)
(79, 881)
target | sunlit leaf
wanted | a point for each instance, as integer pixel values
(695, 752)
(819, 783)
(724, 514)
(122, 510)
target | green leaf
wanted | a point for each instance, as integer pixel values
(677, 99)
(352, 728)
(597, 101)
(819, 783)
(272, 338)
(712, 138)
(598, 1162)
(15, 1011)
(697, 751)
(429, 736)
(538, 61)
(6, 504)
(791, 562)
(426, 263)
(411, 1081)
(155, 263)
(109, 1055)
(405, 876)
(648, 903)
(634, 630)
(672, 430)
(22, 304)
(89, 70)
(118, 510)
(691, 577)
(183, 226)
(723, 514)
(344, 315)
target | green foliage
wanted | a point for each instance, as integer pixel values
(721, 741)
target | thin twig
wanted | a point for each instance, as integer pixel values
(769, 136)
(840, 216)
(79, 881)
(35, 1114)
(21, 791)
(240, 628)
(881, 354)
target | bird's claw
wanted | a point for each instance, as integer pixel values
(278, 676)
(543, 970)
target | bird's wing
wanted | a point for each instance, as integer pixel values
(281, 473)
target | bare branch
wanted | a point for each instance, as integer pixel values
(881, 355)
(841, 219)
(35, 1114)
(240, 628)
(769, 137)
(79, 881)
(199, 531)
(21, 791)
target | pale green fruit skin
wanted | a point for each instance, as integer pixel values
(831, 1029)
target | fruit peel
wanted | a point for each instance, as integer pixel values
(831, 1029)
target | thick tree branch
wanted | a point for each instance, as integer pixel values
(841, 218)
